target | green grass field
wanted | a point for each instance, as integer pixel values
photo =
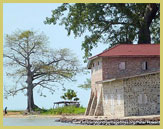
(67, 110)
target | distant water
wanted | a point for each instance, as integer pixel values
(34, 122)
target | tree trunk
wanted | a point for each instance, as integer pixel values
(144, 32)
(30, 100)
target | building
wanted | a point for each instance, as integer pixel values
(125, 81)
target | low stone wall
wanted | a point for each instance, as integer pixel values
(152, 120)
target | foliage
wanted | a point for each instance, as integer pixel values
(71, 110)
(69, 95)
(76, 99)
(108, 23)
(86, 85)
(32, 64)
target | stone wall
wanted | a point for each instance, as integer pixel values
(94, 104)
(96, 75)
(133, 66)
(142, 95)
(133, 96)
(113, 101)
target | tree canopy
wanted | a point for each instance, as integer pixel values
(69, 95)
(109, 23)
(32, 64)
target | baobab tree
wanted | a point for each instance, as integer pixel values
(33, 64)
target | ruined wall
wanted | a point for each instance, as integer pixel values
(113, 101)
(142, 95)
(133, 66)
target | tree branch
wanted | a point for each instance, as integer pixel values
(15, 60)
(51, 89)
(13, 92)
(19, 52)
(52, 62)
(22, 47)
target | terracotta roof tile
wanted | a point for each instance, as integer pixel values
(133, 50)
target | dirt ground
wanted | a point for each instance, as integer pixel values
(20, 114)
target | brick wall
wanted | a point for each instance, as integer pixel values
(133, 66)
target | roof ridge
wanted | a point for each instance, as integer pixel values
(108, 49)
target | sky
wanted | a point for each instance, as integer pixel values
(31, 16)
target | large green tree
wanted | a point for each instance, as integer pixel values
(109, 23)
(32, 64)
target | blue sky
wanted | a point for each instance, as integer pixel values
(31, 16)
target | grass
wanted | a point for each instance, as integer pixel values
(66, 110)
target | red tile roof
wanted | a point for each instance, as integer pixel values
(132, 50)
